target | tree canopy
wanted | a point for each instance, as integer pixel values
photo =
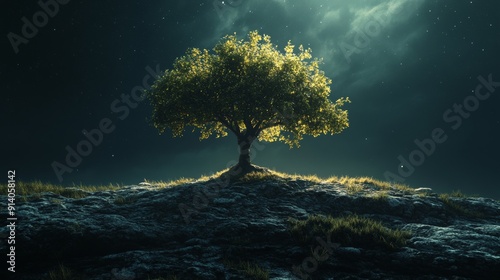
(250, 88)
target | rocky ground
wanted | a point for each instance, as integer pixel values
(206, 230)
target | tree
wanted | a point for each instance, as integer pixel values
(248, 88)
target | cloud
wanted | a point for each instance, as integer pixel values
(346, 34)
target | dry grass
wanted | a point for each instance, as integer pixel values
(173, 183)
(381, 195)
(33, 190)
(182, 181)
(26, 191)
(276, 175)
(352, 182)
(354, 188)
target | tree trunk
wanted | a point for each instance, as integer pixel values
(244, 160)
(244, 165)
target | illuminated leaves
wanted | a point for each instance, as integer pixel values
(249, 88)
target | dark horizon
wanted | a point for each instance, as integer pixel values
(423, 77)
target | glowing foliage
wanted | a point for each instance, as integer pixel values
(249, 88)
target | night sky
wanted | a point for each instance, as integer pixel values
(421, 70)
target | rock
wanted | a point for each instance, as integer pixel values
(423, 190)
(203, 230)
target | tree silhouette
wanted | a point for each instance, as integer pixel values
(249, 88)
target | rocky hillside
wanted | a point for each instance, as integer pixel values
(250, 229)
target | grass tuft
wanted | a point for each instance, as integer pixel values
(353, 188)
(381, 195)
(62, 273)
(276, 175)
(172, 183)
(458, 193)
(351, 230)
(249, 269)
(456, 207)
(353, 181)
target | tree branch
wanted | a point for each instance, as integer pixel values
(248, 124)
(258, 124)
(226, 123)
